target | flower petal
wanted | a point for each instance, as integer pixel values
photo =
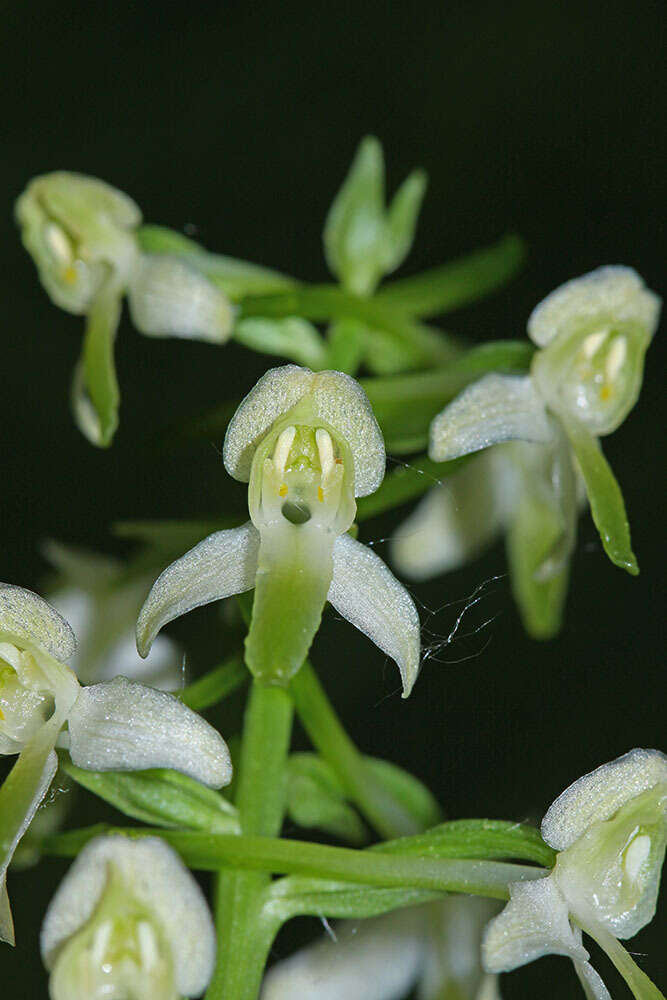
(366, 592)
(592, 983)
(168, 298)
(335, 398)
(601, 793)
(223, 564)
(120, 725)
(27, 620)
(452, 524)
(157, 878)
(534, 923)
(496, 408)
(376, 959)
(615, 291)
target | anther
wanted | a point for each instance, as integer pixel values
(282, 449)
(325, 449)
(616, 357)
(592, 342)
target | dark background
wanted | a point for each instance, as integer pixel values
(241, 120)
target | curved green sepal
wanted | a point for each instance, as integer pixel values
(604, 494)
(292, 338)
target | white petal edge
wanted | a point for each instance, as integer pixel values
(534, 923)
(614, 291)
(167, 298)
(601, 793)
(336, 398)
(591, 981)
(26, 619)
(157, 877)
(375, 959)
(121, 725)
(453, 523)
(365, 592)
(221, 565)
(494, 409)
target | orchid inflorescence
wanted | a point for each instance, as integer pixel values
(129, 919)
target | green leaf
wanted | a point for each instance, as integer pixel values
(458, 282)
(95, 394)
(236, 278)
(159, 796)
(292, 338)
(405, 405)
(296, 895)
(215, 685)
(604, 494)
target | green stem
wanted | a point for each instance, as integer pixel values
(215, 685)
(381, 869)
(321, 303)
(324, 728)
(245, 933)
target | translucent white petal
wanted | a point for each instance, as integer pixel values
(614, 291)
(376, 959)
(156, 877)
(167, 298)
(223, 564)
(452, 523)
(366, 592)
(335, 398)
(27, 620)
(496, 408)
(120, 725)
(452, 963)
(534, 923)
(599, 794)
(594, 988)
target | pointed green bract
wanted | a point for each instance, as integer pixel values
(292, 338)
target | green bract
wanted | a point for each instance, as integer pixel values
(364, 240)
(611, 830)
(128, 920)
(307, 444)
(117, 725)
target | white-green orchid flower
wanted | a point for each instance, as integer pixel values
(307, 444)
(128, 920)
(115, 725)
(610, 829)
(593, 333)
(81, 234)
(434, 948)
(528, 492)
(100, 598)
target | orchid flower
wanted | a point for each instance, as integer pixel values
(610, 829)
(82, 235)
(435, 948)
(114, 725)
(100, 599)
(529, 493)
(307, 444)
(593, 333)
(127, 920)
